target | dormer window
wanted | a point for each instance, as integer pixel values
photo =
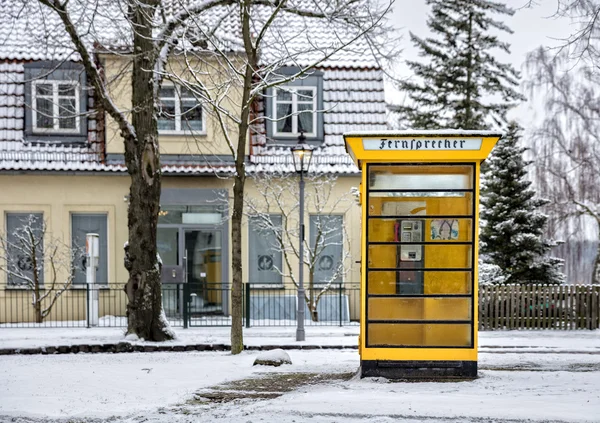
(56, 103)
(180, 111)
(55, 106)
(295, 106)
(295, 109)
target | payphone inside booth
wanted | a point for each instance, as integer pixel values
(419, 197)
(409, 256)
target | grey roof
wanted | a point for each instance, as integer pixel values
(353, 86)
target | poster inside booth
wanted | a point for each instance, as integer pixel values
(419, 254)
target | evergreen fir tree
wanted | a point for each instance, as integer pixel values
(460, 84)
(513, 236)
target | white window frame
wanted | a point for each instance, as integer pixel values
(55, 106)
(293, 89)
(177, 100)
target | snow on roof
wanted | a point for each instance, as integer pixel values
(31, 31)
(11, 101)
(423, 132)
(352, 83)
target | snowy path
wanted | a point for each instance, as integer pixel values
(540, 340)
(154, 388)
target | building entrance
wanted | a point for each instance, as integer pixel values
(191, 241)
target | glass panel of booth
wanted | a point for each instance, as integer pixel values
(419, 256)
(420, 335)
(430, 308)
(435, 229)
(420, 177)
(420, 249)
(397, 282)
(438, 203)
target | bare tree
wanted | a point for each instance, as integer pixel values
(144, 31)
(34, 261)
(241, 46)
(583, 43)
(567, 145)
(278, 197)
(272, 35)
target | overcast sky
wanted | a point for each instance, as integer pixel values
(532, 28)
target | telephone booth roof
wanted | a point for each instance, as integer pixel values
(420, 145)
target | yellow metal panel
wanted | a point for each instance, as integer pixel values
(476, 264)
(419, 354)
(415, 151)
(363, 268)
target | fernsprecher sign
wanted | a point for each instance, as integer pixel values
(423, 144)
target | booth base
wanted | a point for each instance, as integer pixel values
(418, 369)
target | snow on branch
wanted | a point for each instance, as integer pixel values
(38, 263)
(327, 254)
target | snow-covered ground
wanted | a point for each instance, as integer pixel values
(528, 340)
(155, 387)
(525, 375)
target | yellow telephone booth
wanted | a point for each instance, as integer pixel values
(419, 196)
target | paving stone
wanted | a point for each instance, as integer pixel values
(124, 347)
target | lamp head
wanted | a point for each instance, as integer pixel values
(301, 154)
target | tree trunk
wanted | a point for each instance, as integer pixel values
(596, 269)
(312, 299)
(144, 307)
(468, 113)
(37, 306)
(237, 335)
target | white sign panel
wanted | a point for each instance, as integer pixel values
(201, 218)
(428, 144)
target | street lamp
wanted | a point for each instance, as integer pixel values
(302, 155)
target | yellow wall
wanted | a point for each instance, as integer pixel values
(351, 216)
(57, 196)
(213, 142)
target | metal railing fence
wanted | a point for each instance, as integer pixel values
(185, 305)
(565, 307)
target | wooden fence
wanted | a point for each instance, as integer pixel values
(561, 307)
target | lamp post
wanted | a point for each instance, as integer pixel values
(302, 155)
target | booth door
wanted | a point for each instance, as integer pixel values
(419, 253)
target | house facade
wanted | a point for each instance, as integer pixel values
(62, 160)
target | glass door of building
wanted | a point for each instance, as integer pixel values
(203, 270)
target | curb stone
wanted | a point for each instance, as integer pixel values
(126, 347)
